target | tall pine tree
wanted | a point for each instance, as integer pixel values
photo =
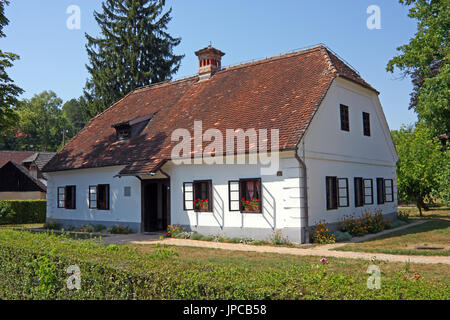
(133, 50)
(8, 90)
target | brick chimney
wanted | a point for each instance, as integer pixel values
(209, 61)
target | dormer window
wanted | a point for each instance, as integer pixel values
(128, 129)
(123, 133)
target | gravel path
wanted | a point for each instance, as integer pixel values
(320, 251)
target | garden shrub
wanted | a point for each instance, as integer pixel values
(342, 236)
(119, 230)
(53, 225)
(403, 215)
(197, 236)
(22, 211)
(183, 235)
(278, 239)
(174, 229)
(321, 234)
(360, 226)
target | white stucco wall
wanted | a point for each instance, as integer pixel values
(281, 197)
(122, 209)
(329, 151)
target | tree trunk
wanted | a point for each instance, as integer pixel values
(419, 205)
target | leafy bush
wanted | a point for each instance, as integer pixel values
(99, 228)
(321, 234)
(120, 230)
(196, 236)
(342, 236)
(184, 235)
(360, 226)
(403, 215)
(174, 229)
(387, 225)
(278, 239)
(22, 211)
(87, 228)
(163, 251)
(53, 226)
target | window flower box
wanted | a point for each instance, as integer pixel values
(250, 205)
(201, 205)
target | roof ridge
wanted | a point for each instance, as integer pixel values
(289, 54)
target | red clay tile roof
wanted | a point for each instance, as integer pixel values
(16, 156)
(282, 93)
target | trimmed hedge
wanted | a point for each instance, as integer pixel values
(22, 211)
(33, 266)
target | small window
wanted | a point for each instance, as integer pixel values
(366, 124)
(250, 194)
(99, 197)
(61, 197)
(343, 192)
(345, 122)
(368, 191)
(388, 190)
(127, 191)
(123, 133)
(380, 191)
(359, 192)
(203, 196)
(332, 193)
(70, 197)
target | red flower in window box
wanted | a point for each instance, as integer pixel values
(250, 205)
(202, 205)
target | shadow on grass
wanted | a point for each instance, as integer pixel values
(432, 225)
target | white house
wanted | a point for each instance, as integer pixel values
(329, 152)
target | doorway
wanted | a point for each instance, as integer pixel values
(155, 205)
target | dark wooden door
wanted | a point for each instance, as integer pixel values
(155, 205)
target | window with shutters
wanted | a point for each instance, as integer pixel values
(99, 197)
(343, 192)
(366, 124)
(197, 196)
(388, 190)
(61, 197)
(245, 195)
(380, 191)
(359, 192)
(368, 191)
(331, 193)
(345, 121)
(70, 197)
(250, 193)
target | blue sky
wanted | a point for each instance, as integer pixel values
(53, 57)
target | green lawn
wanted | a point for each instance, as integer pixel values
(431, 238)
(34, 267)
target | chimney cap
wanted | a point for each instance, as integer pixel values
(209, 49)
